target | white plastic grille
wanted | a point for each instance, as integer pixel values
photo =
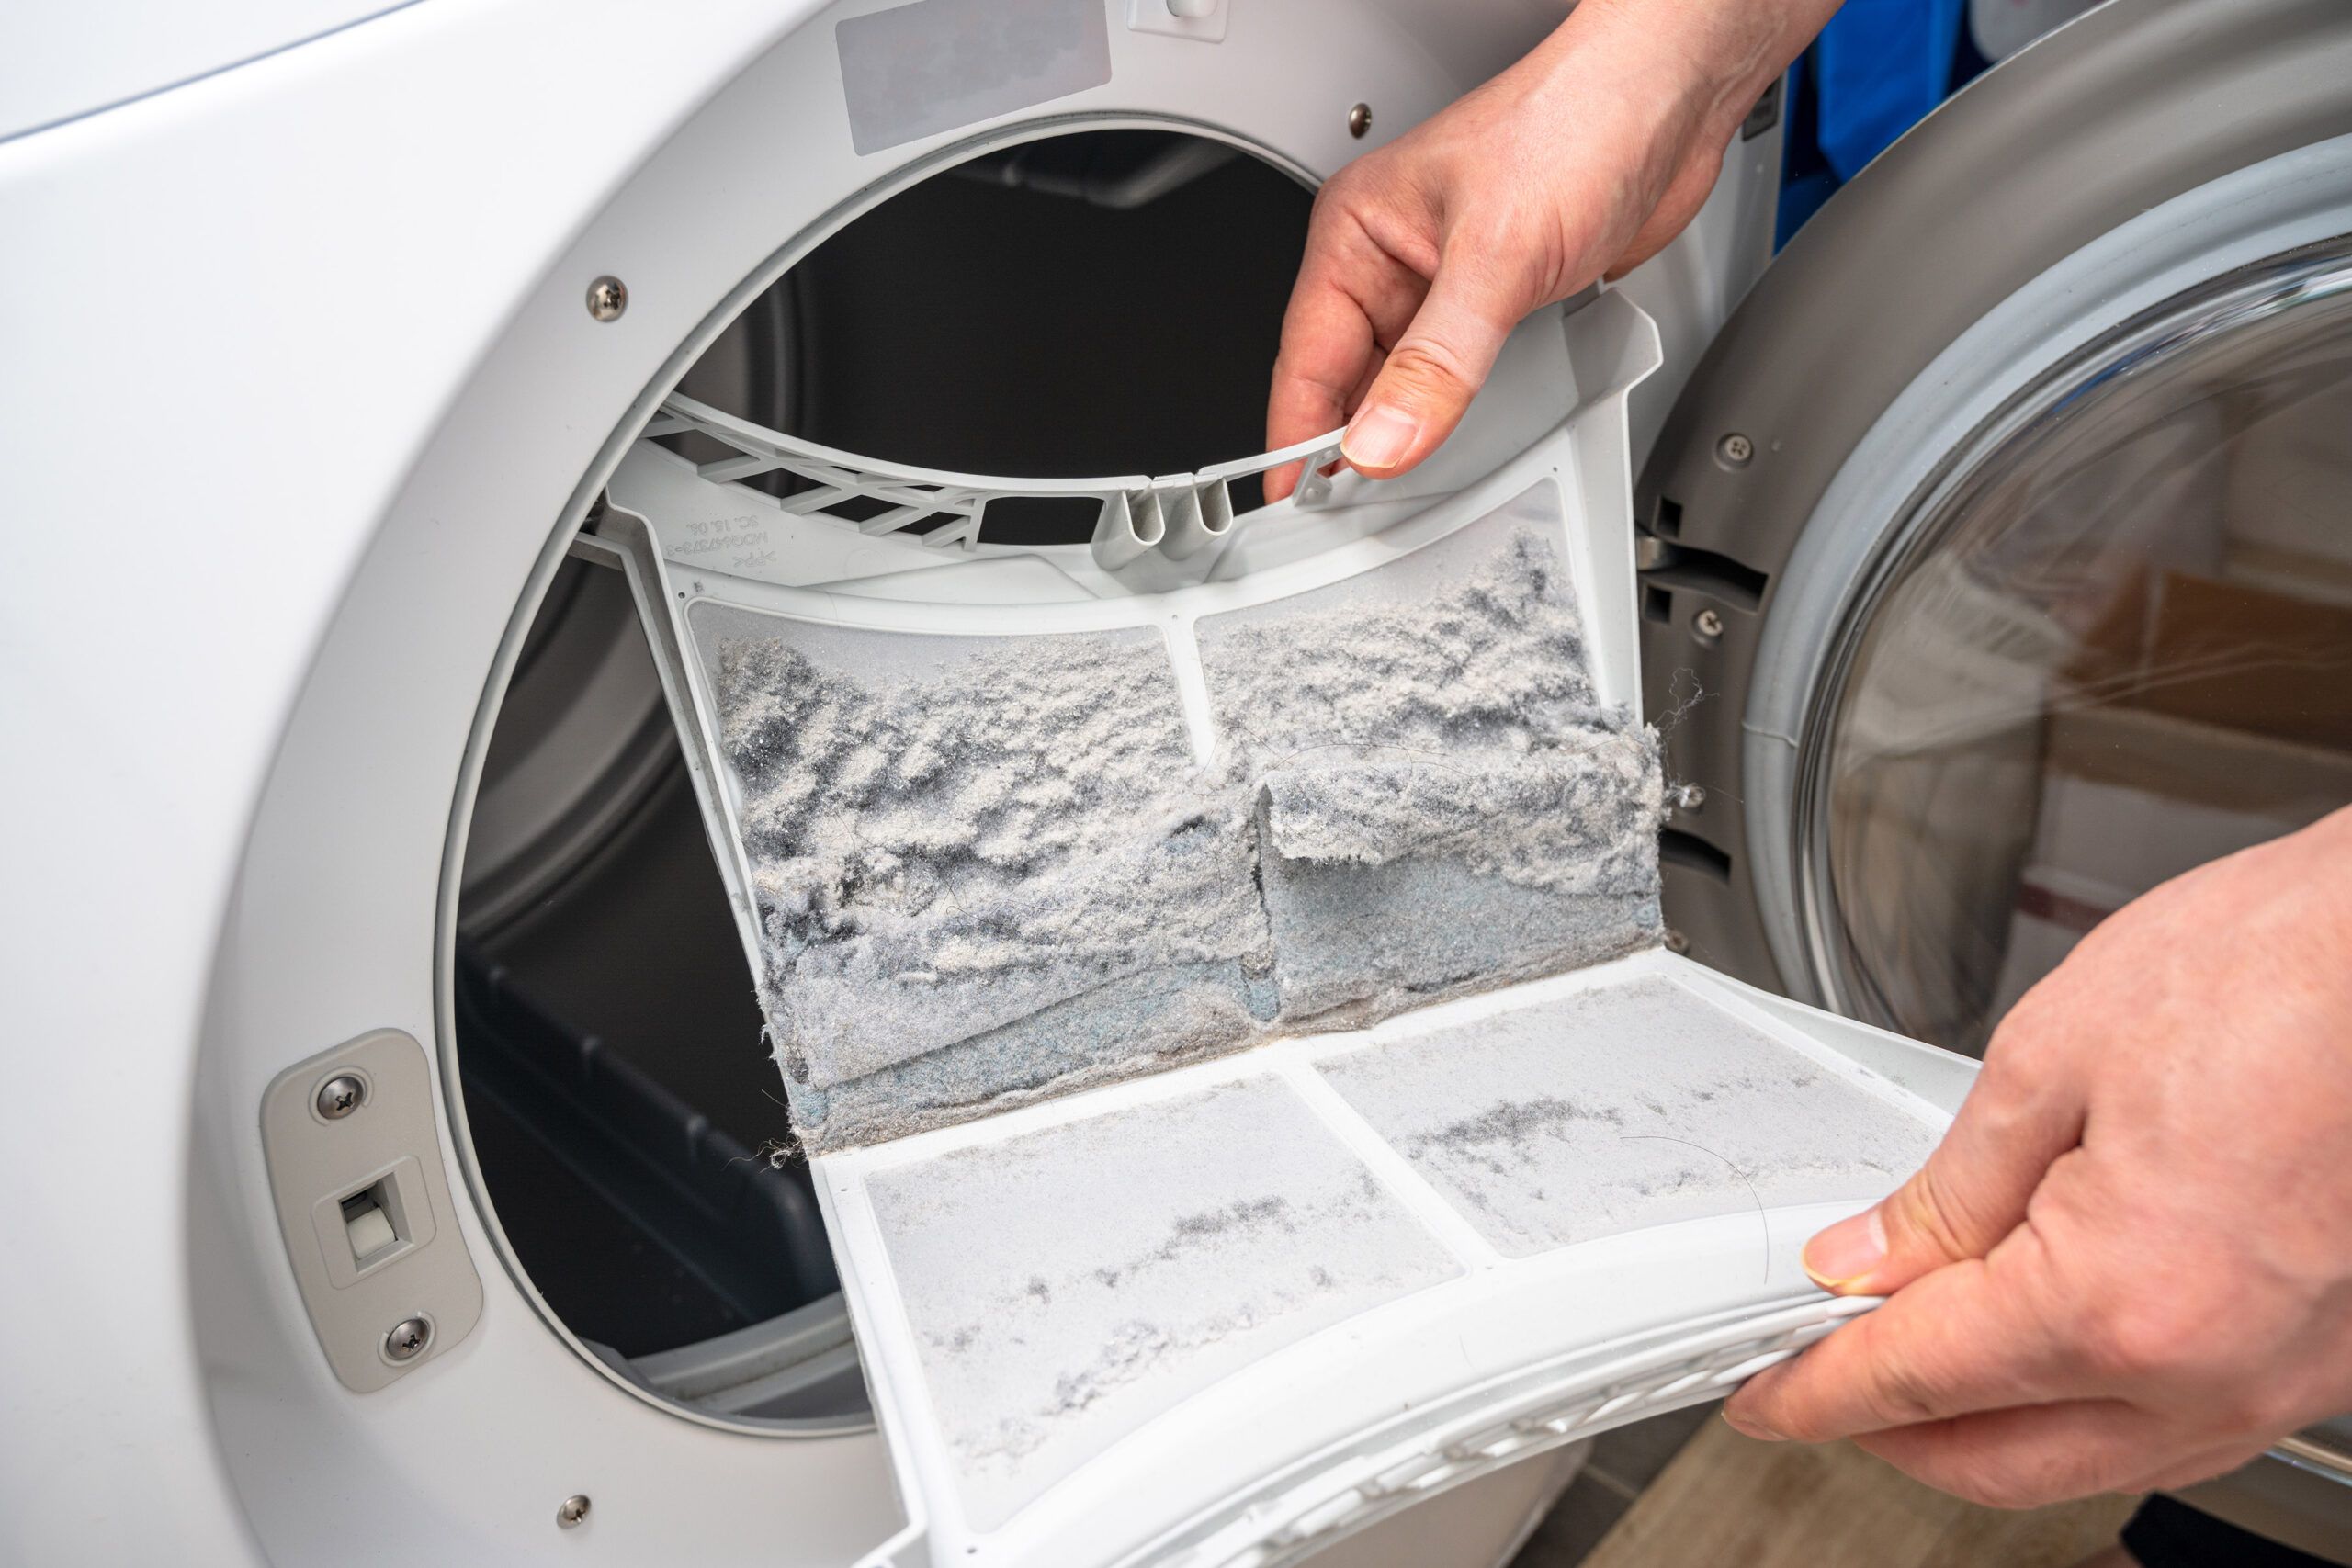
(1178, 515)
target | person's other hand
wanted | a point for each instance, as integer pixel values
(1586, 157)
(2128, 1265)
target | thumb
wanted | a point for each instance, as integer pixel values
(1972, 1192)
(1426, 384)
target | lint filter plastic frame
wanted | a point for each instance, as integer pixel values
(1223, 1315)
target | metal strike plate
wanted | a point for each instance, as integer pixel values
(363, 1205)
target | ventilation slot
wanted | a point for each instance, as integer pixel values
(1703, 571)
(1692, 853)
(1136, 514)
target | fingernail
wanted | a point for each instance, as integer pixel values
(1379, 437)
(1747, 1429)
(1847, 1251)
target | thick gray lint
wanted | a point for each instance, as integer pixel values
(989, 870)
(950, 836)
(1614, 1109)
(1144, 1023)
(1472, 643)
(1565, 819)
(1069, 1285)
(1355, 943)
(1444, 805)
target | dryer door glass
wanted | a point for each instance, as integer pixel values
(2120, 646)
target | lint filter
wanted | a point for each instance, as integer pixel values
(1217, 975)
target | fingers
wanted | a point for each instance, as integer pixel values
(1437, 366)
(1975, 1336)
(1327, 351)
(2031, 1456)
(2036, 1455)
(2022, 1115)
(1350, 297)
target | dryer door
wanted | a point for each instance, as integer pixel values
(1995, 560)
(2022, 455)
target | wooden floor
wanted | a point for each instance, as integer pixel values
(1724, 1499)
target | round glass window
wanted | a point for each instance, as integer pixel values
(2115, 643)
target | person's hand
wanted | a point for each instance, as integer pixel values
(2129, 1264)
(1586, 157)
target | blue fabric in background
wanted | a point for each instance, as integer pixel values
(1879, 67)
(1876, 70)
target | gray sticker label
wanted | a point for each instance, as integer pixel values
(914, 71)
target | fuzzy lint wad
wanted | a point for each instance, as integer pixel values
(1216, 969)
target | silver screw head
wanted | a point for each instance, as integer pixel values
(572, 1512)
(408, 1339)
(1360, 121)
(1706, 625)
(1734, 451)
(1687, 797)
(607, 297)
(340, 1096)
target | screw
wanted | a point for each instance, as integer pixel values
(1676, 942)
(607, 297)
(1734, 450)
(1706, 625)
(408, 1339)
(340, 1096)
(1359, 121)
(1687, 797)
(572, 1512)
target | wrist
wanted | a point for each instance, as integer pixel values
(1701, 61)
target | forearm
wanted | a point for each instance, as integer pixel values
(1680, 74)
(1709, 59)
